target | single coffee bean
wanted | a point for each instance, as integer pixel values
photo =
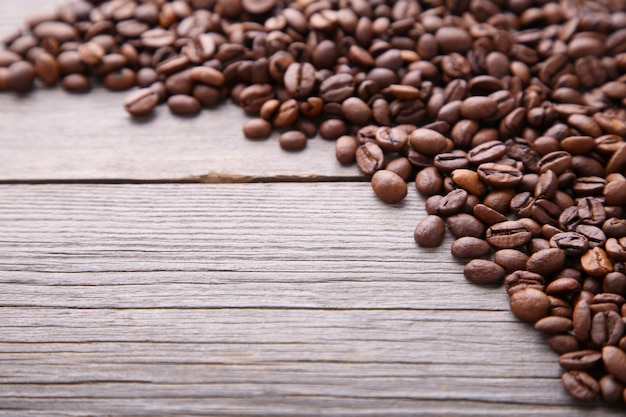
(555, 325)
(453, 202)
(76, 83)
(21, 76)
(488, 215)
(596, 262)
(292, 140)
(391, 139)
(429, 181)
(464, 224)
(428, 142)
(389, 186)
(487, 152)
(546, 261)
(345, 149)
(607, 328)
(563, 343)
(611, 389)
(614, 360)
(257, 129)
(469, 181)
(185, 105)
(483, 272)
(510, 259)
(430, 231)
(580, 385)
(508, 235)
(529, 304)
(141, 102)
(479, 107)
(563, 286)
(369, 158)
(572, 243)
(499, 175)
(522, 279)
(468, 247)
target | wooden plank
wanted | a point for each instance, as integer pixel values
(251, 299)
(52, 135)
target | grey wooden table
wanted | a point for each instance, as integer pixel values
(175, 268)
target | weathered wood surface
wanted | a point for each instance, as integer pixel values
(250, 299)
(278, 298)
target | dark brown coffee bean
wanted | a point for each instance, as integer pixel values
(428, 181)
(299, 79)
(389, 186)
(510, 259)
(141, 102)
(332, 129)
(292, 140)
(21, 76)
(614, 360)
(430, 231)
(571, 243)
(581, 360)
(449, 161)
(391, 139)
(479, 107)
(483, 272)
(555, 325)
(580, 385)
(487, 152)
(59, 31)
(607, 328)
(453, 202)
(499, 175)
(184, 105)
(453, 39)
(546, 261)
(257, 129)
(356, 111)
(428, 142)
(345, 149)
(615, 193)
(468, 247)
(521, 279)
(508, 235)
(370, 158)
(529, 304)
(464, 224)
(121, 80)
(76, 83)
(563, 343)
(488, 215)
(611, 389)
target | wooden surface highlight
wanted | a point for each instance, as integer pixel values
(275, 298)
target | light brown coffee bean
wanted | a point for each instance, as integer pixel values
(389, 186)
(430, 231)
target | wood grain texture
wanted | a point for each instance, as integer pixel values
(251, 299)
(50, 134)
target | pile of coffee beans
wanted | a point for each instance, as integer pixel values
(510, 115)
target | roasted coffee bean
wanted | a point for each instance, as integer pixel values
(428, 142)
(389, 186)
(607, 328)
(510, 259)
(546, 261)
(76, 83)
(369, 158)
(555, 325)
(488, 215)
(468, 247)
(182, 104)
(464, 224)
(499, 175)
(563, 286)
(391, 139)
(580, 385)
(487, 152)
(483, 272)
(430, 231)
(21, 76)
(614, 360)
(529, 304)
(581, 321)
(571, 243)
(257, 129)
(299, 79)
(453, 202)
(141, 102)
(508, 235)
(292, 140)
(611, 389)
(522, 279)
(563, 343)
(429, 181)
(345, 149)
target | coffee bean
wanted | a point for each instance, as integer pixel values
(257, 129)
(580, 385)
(510, 259)
(571, 243)
(555, 325)
(614, 360)
(427, 141)
(76, 83)
(483, 272)
(596, 262)
(428, 181)
(464, 224)
(479, 108)
(499, 175)
(141, 102)
(345, 149)
(21, 76)
(607, 328)
(430, 231)
(508, 235)
(389, 186)
(292, 140)
(529, 304)
(563, 343)
(468, 247)
(369, 158)
(182, 104)
(453, 202)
